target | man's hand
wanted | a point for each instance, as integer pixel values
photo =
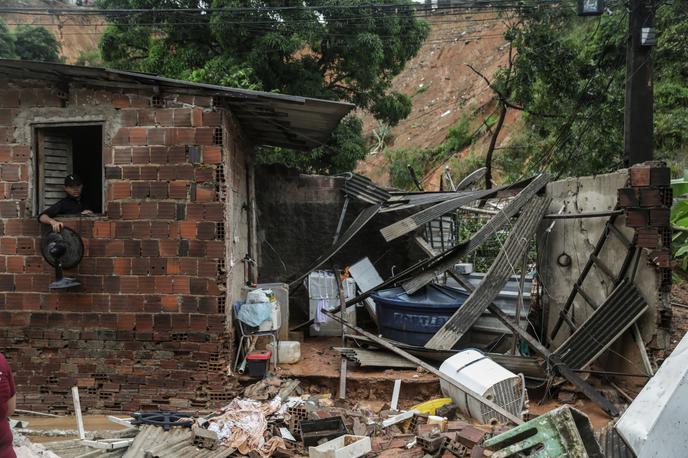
(87, 212)
(56, 225)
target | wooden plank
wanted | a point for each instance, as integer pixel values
(383, 343)
(515, 247)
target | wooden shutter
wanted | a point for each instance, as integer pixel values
(55, 162)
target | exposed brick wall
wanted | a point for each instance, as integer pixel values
(146, 330)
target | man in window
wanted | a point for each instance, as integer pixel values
(70, 205)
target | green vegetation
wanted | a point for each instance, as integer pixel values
(423, 161)
(28, 43)
(90, 58)
(258, 44)
(679, 221)
(569, 75)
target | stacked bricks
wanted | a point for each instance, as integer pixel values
(147, 329)
(647, 205)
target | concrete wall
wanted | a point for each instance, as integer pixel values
(297, 220)
(147, 329)
(577, 238)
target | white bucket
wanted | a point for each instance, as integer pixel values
(483, 376)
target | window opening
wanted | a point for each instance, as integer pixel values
(62, 151)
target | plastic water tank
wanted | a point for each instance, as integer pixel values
(481, 375)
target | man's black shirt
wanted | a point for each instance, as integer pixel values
(67, 206)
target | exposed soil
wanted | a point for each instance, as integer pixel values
(318, 370)
(76, 34)
(443, 88)
(91, 423)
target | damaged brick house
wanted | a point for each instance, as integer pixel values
(168, 168)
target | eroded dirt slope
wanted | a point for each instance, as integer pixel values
(443, 87)
(76, 33)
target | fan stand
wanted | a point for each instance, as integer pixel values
(60, 281)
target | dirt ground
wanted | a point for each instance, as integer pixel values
(66, 423)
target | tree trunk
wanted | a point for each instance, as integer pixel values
(493, 143)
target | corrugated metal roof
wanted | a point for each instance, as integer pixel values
(269, 119)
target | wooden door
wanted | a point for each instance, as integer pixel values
(55, 161)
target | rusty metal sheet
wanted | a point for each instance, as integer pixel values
(606, 324)
(515, 246)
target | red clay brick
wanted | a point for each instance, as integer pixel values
(120, 101)
(138, 135)
(172, 267)
(130, 210)
(176, 154)
(164, 285)
(15, 264)
(187, 230)
(170, 304)
(149, 173)
(126, 321)
(212, 154)
(140, 155)
(212, 118)
(102, 229)
(10, 172)
(158, 154)
(159, 190)
(121, 138)
(184, 135)
(179, 190)
(203, 174)
(168, 248)
(181, 285)
(144, 322)
(196, 117)
(21, 153)
(205, 135)
(182, 117)
(122, 266)
(114, 248)
(205, 194)
(140, 189)
(5, 153)
(166, 210)
(164, 117)
(157, 136)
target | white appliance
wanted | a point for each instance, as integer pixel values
(483, 376)
(323, 292)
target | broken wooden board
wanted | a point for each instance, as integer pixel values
(515, 246)
(446, 260)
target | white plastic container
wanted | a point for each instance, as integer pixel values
(322, 289)
(274, 323)
(289, 351)
(346, 446)
(483, 376)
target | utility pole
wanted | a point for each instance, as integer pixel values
(638, 128)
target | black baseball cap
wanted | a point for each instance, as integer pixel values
(72, 180)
